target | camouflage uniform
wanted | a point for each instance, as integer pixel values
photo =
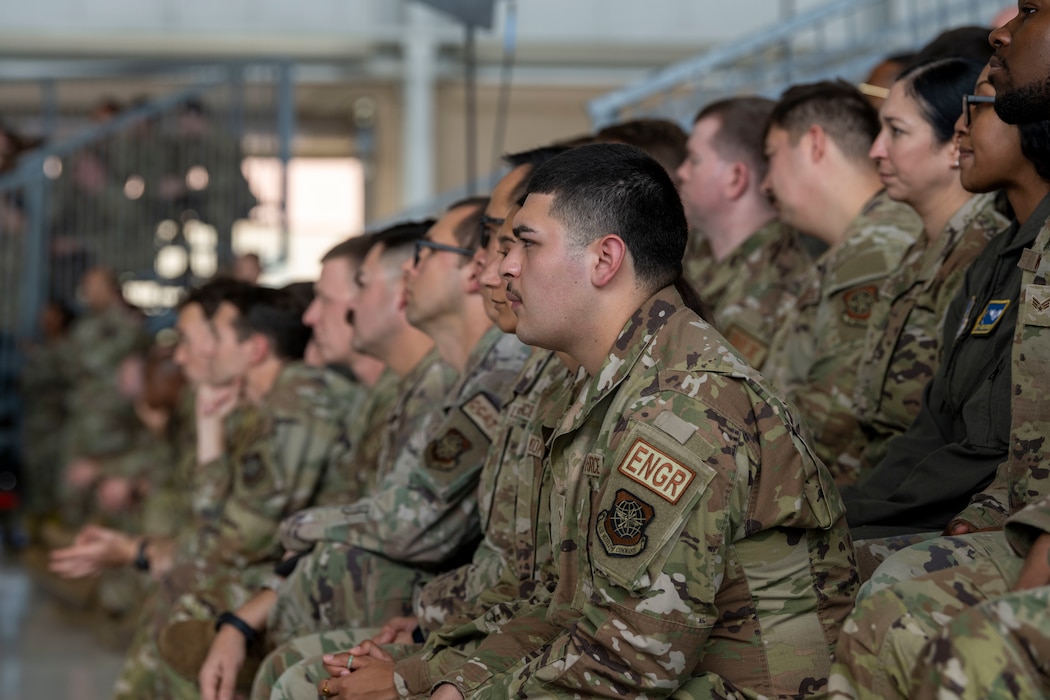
(903, 346)
(912, 619)
(276, 465)
(817, 349)
(101, 421)
(699, 267)
(752, 284)
(43, 386)
(505, 568)
(420, 519)
(962, 432)
(657, 561)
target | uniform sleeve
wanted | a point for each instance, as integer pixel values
(1027, 525)
(423, 510)
(277, 474)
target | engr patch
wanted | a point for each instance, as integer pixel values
(621, 528)
(656, 471)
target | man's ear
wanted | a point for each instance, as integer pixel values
(818, 143)
(608, 255)
(258, 347)
(738, 180)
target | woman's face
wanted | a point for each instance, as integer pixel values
(989, 150)
(914, 167)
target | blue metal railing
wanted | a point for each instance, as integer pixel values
(842, 38)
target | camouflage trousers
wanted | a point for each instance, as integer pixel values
(337, 586)
(871, 553)
(295, 667)
(998, 649)
(882, 641)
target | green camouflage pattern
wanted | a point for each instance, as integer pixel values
(423, 515)
(100, 422)
(752, 286)
(528, 575)
(818, 346)
(738, 565)
(903, 346)
(882, 640)
(43, 384)
(276, 462)
(699, 266)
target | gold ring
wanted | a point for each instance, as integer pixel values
(350, 662)
(324, 689)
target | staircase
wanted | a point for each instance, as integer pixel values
(839, 39)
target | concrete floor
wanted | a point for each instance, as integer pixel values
(43, 655)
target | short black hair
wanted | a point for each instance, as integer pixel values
(353, 249)
(468, 232)
(938, 87)
(276, 314)
(612, 188)
(962, 42)
(212, 293)
(533, 158)
(399, 240)
(837, 107)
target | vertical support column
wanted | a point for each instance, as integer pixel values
(419, 51)
(49, 111)
(34, 281)
(285, 134)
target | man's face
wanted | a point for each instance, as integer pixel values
(334, 295)
(1020, 68)
(493, 286)
(232, 357)
(437, 285)
(783, 184)
(196, 346)
(545, 274)
(702, 175)
(378, 304)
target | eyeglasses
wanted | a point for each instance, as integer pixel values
(969, 100)
(488, 225)
(422, 243)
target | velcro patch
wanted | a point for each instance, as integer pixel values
(592, 464)
(621, 528)
(990, 317)
(484, 414)
(521, 410)
(656, 471)
(1030, 260)
(1037, 311)
(535, 447)
(860, 301)
(443, 453)
(753, 349)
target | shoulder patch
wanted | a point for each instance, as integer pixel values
(748, 345)
(1030, 260)
(444, 452)
(1038, 311)
(656, 471)
(859, 302)
(484, 414)
(521, 409)
(535, 447)
(990, 317)
(621, 528)
(675, 426)
(592, 464)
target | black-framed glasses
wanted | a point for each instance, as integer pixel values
(489, 224)
(422, 243)
(969, 100)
